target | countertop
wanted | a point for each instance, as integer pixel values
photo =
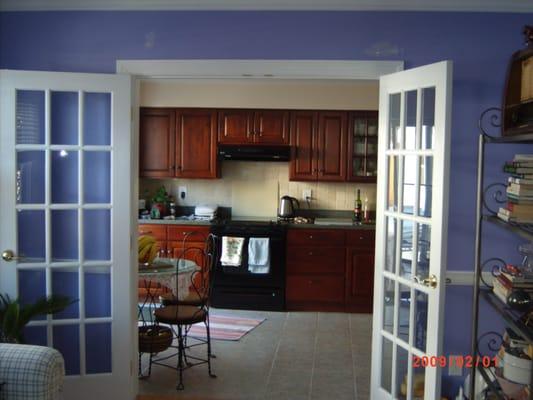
(290, 226)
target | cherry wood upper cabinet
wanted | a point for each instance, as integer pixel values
(253, 126)
(304, 127)
(157, 137)
(363, 146)
(196, 154)
(271, 127)
(318, 141)
(235, 126)
(332, 146)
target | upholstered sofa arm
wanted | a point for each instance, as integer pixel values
(30, 372)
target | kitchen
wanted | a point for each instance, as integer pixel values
(326, 266)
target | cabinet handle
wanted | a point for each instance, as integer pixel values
(310, 236)
(361, 238)
(310, 253)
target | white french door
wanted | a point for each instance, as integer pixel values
(411, 232)
(65, 212)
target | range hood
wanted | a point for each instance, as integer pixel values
(254, 153)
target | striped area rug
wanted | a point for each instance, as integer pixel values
(226, 327)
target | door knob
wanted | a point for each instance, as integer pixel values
(430, 281)
(8, 255)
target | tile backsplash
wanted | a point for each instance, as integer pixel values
(251, 189)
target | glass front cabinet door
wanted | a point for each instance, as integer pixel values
(363, 146)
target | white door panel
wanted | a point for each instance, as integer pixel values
(411, 230)
(66, 211)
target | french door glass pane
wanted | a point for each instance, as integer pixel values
(395, 136)
(409, 177)
(67, 341)
(386, 365)
(403, 312)
(97, 292)
(30, 177)
(96, 234)
(390, 244)
(421, 322)
(406, 260)
(426, 186)
(64, 117)
(98, 348)
(64, 176)
(97, 128)
(389, 295)
(424, 249)
(36, 335)
(393, 185)
(402, 366)
(31, 235)
(65, 283)
(30, 117)
(97, 177)
(410, 119)
(64, 235)
(428, 117)
(31, 286)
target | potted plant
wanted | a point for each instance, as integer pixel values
(14, 316)
(159, 203)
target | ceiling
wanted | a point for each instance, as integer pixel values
(520, 6)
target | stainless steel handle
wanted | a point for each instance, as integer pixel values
(9, 255)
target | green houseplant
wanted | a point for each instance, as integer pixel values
(159, 203)
(14, 316)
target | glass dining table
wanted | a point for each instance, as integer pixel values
(171, 273)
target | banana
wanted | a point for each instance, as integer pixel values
(144, 240)
(153, 253)
(143, 252)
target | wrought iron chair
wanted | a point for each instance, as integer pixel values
(181, 314)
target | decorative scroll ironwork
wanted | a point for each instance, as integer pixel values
(497, 193)
(493, 117)
(496, 265)
(489, 343)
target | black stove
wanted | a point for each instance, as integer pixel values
(236, 287)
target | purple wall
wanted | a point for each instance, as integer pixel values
(478, 44)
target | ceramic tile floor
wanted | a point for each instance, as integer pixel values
(290, 356)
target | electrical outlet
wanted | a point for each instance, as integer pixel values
(307, 194)
(453, 368)
(182, 190)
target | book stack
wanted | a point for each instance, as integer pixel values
(506, 282)
(519, 208)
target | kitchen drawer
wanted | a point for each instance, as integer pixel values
(315, 237)
(159, 232)
(195, 233)
(306, 259)
(315, 289)
(361, 238)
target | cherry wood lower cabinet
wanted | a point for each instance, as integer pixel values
(330, 270)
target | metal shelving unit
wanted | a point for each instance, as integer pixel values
(484, 214)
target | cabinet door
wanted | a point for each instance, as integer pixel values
(332, 146)
(196, 155)
(304, 128)
(235, 126)
(271, 127)
(362, 146)
(156, 142)
(359, 280)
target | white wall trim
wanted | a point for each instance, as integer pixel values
(259, 69)
(506, 6)
(464, 278)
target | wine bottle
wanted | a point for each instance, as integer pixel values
(358, 207)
